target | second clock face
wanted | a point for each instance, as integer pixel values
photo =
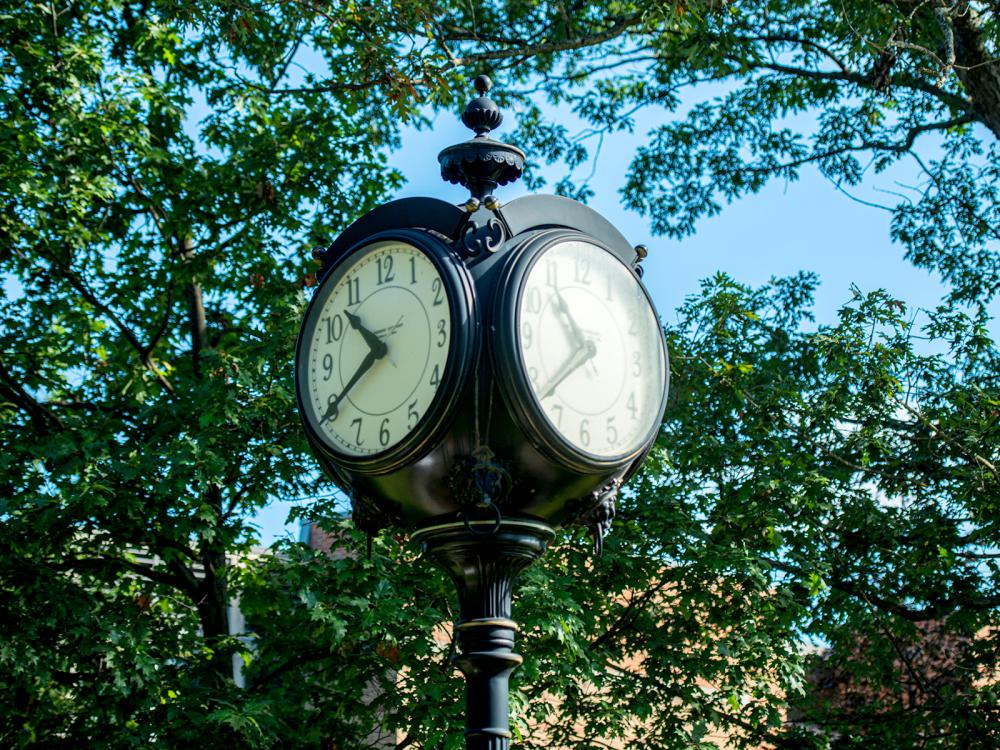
(592, 349)
(375, 348)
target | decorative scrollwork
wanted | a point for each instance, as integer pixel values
(480, 480)
(476, 239)
(481, 485)
(599, 512)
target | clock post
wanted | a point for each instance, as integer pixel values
(483, 563)
(533, 382)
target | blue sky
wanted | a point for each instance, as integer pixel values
(806, 225)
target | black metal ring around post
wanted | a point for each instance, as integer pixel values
(484, 569)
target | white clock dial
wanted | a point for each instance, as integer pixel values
(377, 348)
(592, 349)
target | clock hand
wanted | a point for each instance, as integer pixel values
(572, 328)
(581, 355)
(334, 401)
(373, 341)
(376, 350)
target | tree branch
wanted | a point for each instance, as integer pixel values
(938, 432)
(43, 418)
(933, 611)
(165, 323)
(900, 79)
(144, 355)
(145, 571)
(326, 87)
(532, 50)
(899, 148)
(632, 611)
(196, 311)
(306, 657)
(157, 576)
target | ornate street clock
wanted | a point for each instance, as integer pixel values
(480, 375)
(382, 350)
(580, 350)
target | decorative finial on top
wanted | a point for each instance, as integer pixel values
(481, 163)
(482, 115)
(482, 84)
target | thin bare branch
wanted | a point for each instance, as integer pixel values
(142, 351)
(43, 418)
(533, 50)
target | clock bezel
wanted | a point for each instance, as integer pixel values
(508, 361)
(459, 362)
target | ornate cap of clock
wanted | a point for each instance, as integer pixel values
(478, 376)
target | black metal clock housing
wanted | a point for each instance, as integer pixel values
(485, 413)
(382, 354)
(579, 351)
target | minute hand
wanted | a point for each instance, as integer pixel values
(366, 364)
(583, 354)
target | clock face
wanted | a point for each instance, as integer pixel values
(592, 349)
(374, 348)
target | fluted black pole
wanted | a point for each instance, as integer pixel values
(483, 558)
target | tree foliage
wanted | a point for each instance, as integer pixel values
(165, 169)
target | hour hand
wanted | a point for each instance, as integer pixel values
(374, 342)
(568, 324)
